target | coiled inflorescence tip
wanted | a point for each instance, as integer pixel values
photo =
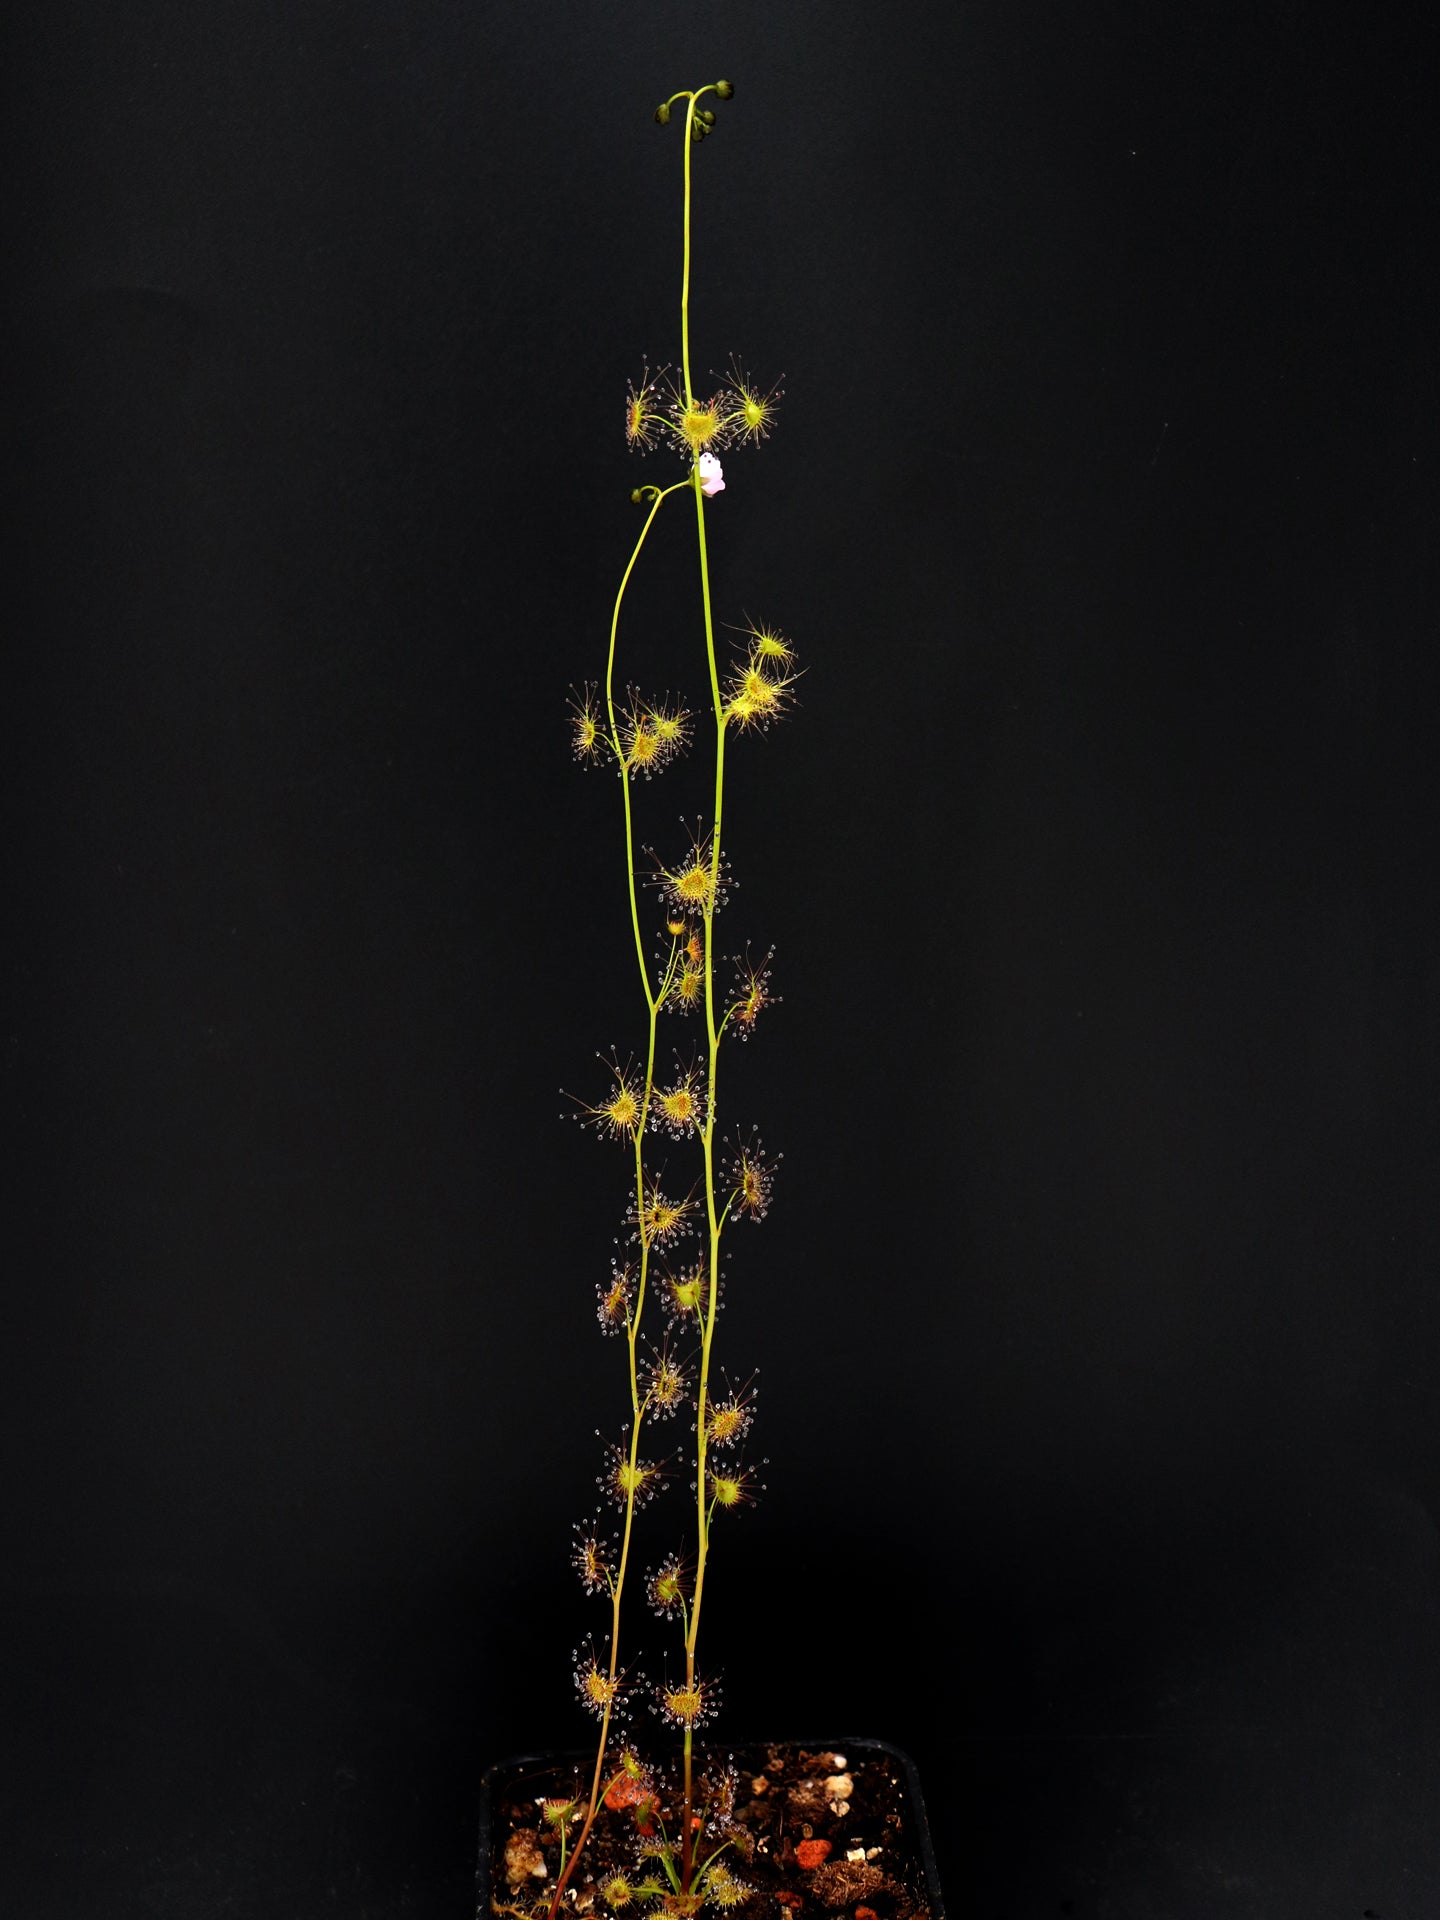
(702, 121)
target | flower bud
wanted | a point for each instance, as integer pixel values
(698, 129)
(725, 89)
(637, 498)
(706, 115)
(662, 114)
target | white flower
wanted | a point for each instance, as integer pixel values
(712, 477)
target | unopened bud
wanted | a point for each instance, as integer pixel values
(697, 129)
(725, 89)
(706, 115)
(637, 498)
(662, 114)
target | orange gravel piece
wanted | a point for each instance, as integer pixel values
(634, 1793)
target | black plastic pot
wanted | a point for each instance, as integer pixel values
(507, 1774)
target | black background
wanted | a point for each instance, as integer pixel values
(1097, 1313)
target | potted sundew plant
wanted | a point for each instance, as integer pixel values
(654, 1819)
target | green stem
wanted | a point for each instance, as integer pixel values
(651, 1000)
(713, 1216)
(685, 270)
(652, 1003)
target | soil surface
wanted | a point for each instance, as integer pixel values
(812, 1832)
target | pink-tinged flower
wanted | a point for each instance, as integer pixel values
(712, 476)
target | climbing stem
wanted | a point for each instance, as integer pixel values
(617, 747)
(637, 1406)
